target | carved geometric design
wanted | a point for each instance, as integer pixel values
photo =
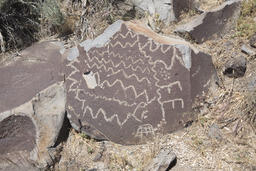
(132, 86)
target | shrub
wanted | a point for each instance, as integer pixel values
(19, 22)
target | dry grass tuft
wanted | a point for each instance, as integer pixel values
(246, 25)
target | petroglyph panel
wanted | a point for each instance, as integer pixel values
(129, 88)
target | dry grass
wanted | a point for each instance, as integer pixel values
(246, 25)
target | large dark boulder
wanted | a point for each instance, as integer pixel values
(211, 24)
(130, 83)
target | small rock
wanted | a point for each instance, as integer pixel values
(100, 166)
(236, 67)
(100, 153)
(93, 169)
(214, 132)
(252, 84)
(165, 160)
(97, 157)
(229, 45)
(247, 50)
(253, 41)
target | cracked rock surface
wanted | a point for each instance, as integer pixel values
(33, 109)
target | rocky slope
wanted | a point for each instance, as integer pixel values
(222, 135)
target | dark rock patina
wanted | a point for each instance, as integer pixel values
(17, 141)
(211, 24)
(17, 133)
(137, 84)
(38, 67)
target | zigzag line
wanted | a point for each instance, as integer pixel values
(131, 76)
(117, 42)
(116, 67)
(165, 50)
(96, 51)
(97, 74)
(70, 76)
(126, 34)
(117, 55)
(112, 72)
(113, 45)
(110, 119)
(96, 61)
(117, 78)
(102, 66)
(126, 88)
(110, 99)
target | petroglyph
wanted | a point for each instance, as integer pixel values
(145, 130)
(129, 86)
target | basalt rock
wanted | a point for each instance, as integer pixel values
(130, 83)
(32, 106)
(167, 10)
(253, 41)
(211, 24)
(248, 50)
(236, 67)
(164, 160)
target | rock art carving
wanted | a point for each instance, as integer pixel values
(211, 23)
(32, 106)
(130, 83)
